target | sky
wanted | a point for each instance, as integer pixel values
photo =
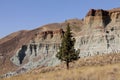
(18, 15)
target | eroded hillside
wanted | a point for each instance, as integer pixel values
(98, 33)
(100, 67)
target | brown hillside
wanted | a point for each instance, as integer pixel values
(11, 43)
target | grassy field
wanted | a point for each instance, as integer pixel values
(106, 72)
(102, 68)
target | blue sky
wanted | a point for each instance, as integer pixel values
(18, 15)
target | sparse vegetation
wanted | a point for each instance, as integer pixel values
(107, 72)
(101, 67)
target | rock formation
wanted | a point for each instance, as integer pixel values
(100, 33)
(97, 34)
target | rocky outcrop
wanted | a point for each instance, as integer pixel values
(115, 15)
(97, 18)
(40, 51)
(99, 12)
(100, 34)
(97, 34)
(12, 46)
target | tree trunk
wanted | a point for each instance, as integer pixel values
(67, 65)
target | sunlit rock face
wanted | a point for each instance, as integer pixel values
(100, 34)
(40, 51)
(96, 34)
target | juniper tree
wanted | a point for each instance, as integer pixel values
(66, 51)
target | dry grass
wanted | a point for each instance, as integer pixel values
(107, 72)
(105, 67)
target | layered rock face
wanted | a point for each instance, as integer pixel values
(97, 34)
(40, 51)
(100, 34)
(97, 18)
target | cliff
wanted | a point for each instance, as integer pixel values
(100, 33)
(97, 34)
(20, 49)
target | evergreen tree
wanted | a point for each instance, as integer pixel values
(67, 52)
